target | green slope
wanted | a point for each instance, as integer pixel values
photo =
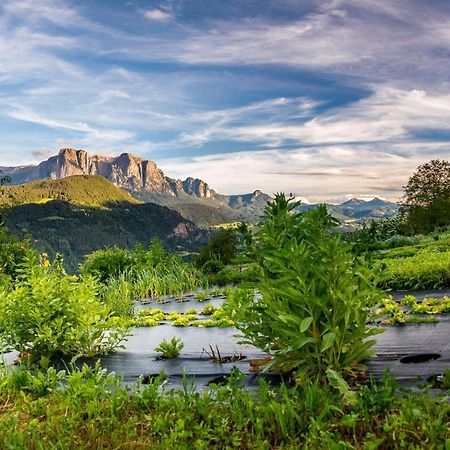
(82, 190)
(78, 215)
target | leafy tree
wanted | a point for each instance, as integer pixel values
(316, 295)
(426, 200)
(221, 247)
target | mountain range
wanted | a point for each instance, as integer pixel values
(192, 197)
(359, 211)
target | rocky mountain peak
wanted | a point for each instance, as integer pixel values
(194, 186)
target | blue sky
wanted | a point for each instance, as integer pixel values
(327, 99)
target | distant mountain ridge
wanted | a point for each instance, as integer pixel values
(360, 210)
(144, 180)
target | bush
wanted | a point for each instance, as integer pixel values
(48, 312)
(316, 295)
(212, 266)
(106, 263)
(399, 241)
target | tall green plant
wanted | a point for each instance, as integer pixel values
(316, 296)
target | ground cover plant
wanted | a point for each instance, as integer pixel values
(316, 295)
(89, 408)
(410, 310)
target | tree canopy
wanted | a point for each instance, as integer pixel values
(426, 200)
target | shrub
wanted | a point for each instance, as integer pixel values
(107, 263)
(212, 266)
(48, 312)
(316, 295)
(13, 252)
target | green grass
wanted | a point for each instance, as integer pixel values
(90, 409)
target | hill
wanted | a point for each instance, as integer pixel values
(94, 191)
(80, 214)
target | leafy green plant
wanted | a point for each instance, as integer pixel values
(316, 296)
(48, 312)
(202, 296)
(208, 310)
(424, 270)
(170, 349)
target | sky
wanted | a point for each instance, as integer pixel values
(326, 99)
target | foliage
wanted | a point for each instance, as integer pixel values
(4, 178)
(118, 295)
(89, 408)
(221, 247)
(77, 230)
(395, 313)
(170, 349)
(213, 266)
(316, 295)
(424, 270)
(371, 235)
(426, 200)
(85, 190)
(48, 312)
(108, 263)
(150, 272)
(13, 252)
(233, 275)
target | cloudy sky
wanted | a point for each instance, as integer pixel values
(327, 99)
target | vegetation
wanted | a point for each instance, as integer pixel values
(47, 312)
(423, 265)
(219, 252)
(147, 273)
(74, 230)
(406, 311)
(88, 408)
(13, 253)
(170, 349)
(316, 295)
(426, 202)
(83, 190)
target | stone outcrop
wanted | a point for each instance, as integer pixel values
(125, 171)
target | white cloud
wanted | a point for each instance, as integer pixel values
(157, 15)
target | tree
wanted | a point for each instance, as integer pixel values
(426, 199)
(221, 247)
